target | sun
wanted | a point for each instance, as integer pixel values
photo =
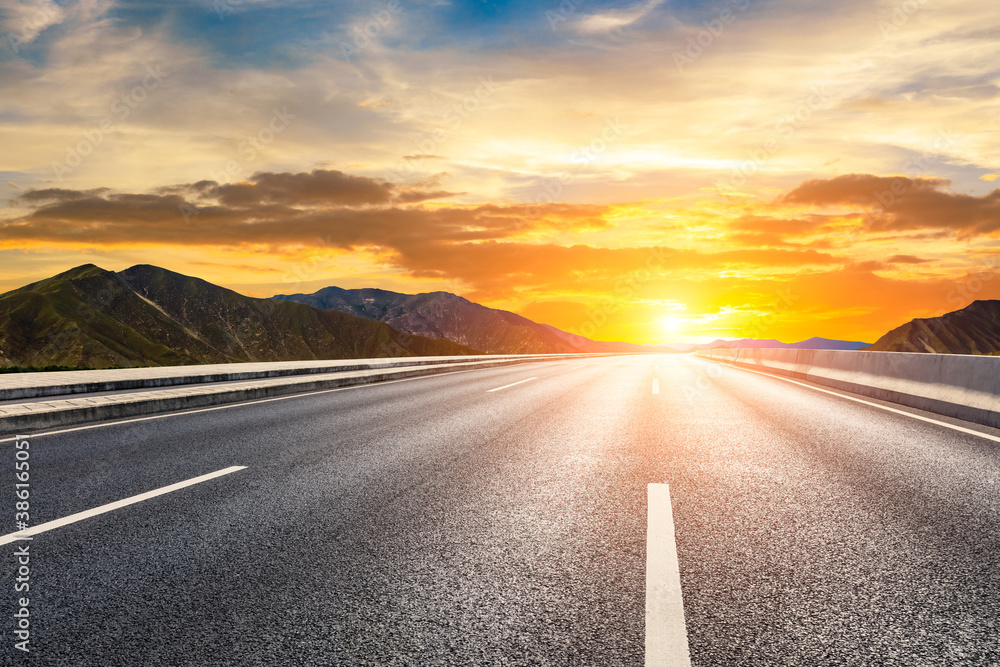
(672, 325)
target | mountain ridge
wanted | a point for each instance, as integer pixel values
(444, 315)
(148, 316)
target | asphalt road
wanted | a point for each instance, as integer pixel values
(434, 522)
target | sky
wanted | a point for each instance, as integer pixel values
(650, 171)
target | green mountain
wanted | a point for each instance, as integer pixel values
(974, 329)
(147, 316)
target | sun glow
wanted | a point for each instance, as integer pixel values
(672, 325)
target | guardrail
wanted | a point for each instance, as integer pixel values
(956, 385)
(88, 396)
(56, 383)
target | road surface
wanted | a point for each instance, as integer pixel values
(499, 517)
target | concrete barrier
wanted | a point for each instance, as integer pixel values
(957, 385)
(57, 383)
(181, 388)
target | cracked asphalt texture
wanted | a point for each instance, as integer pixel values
(429, 522)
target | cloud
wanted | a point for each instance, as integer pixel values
(24, 21)
(856, 189)
(320, 187)
(614, 19)
(906, 259)
(927, 84)
(494, 268)
(55, 195)
(282, 209)
(903, 203)
(776, 229)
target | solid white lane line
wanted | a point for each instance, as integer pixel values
(512, 384)
(580, 366)
(953, 427)
(118, 504)
(666, 633)
(656, 386)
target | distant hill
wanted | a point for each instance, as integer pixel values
(974, 329)
(147, 316)
(446, 315)
(814, 343)
(817, 343)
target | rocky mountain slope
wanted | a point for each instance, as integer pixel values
(445, 315)
(147, 316)
(974, 329)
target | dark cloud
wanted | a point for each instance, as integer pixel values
(35, 197)
(902, 203)
(857, 189)
(282, 210)
(906, 259)
(320, 187)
